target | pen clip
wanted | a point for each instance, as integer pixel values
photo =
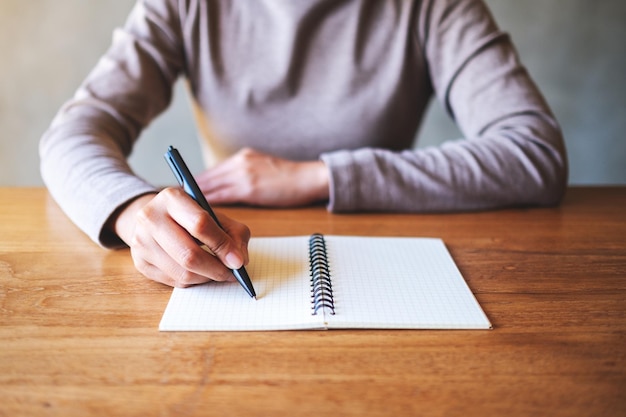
(175, 170)
(186, 180)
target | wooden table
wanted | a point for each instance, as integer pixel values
(78, 324)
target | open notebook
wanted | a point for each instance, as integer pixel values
(334, 282)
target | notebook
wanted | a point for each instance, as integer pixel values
(334, 282)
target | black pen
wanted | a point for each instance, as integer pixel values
(185, 179)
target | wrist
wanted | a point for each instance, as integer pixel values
(122, 222)
(318, 177)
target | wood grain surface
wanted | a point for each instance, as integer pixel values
(79, 337)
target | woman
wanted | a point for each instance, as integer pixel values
(300, 102)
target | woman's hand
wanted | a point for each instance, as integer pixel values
(255, 178)
(160, 230)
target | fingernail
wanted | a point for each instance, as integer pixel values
(233, 261)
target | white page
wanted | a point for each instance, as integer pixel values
(377, 283)
(279, 270)
(398, 283)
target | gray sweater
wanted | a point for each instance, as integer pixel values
(346, 81)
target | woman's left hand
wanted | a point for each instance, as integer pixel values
(255, 178)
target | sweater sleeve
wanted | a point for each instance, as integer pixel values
(84, 151)
(512, 154)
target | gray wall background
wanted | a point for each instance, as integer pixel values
(574, 49)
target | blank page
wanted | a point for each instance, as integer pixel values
(398, 283)
(279, 270)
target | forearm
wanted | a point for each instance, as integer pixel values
(83, 164)
(83, 153)
(89, 179)
(504, 167)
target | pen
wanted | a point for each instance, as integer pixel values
(186, 180)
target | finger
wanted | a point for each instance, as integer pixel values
(211, 180)
(223, 187)
(155, 263)
(239, 232)
(184, 259)
(230, 172)
(163, 242)
(221, 173)
(198, 223)
(225, 196)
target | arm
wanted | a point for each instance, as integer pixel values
(83, 160)
(514, 152)
(83, 153)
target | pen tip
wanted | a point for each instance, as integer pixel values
(254, 297)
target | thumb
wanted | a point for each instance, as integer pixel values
(225, 249)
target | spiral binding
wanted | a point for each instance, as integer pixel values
(321, 285)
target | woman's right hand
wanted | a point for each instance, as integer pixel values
(160, 230)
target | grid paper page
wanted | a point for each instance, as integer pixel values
(399, 283)
(279, 270)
